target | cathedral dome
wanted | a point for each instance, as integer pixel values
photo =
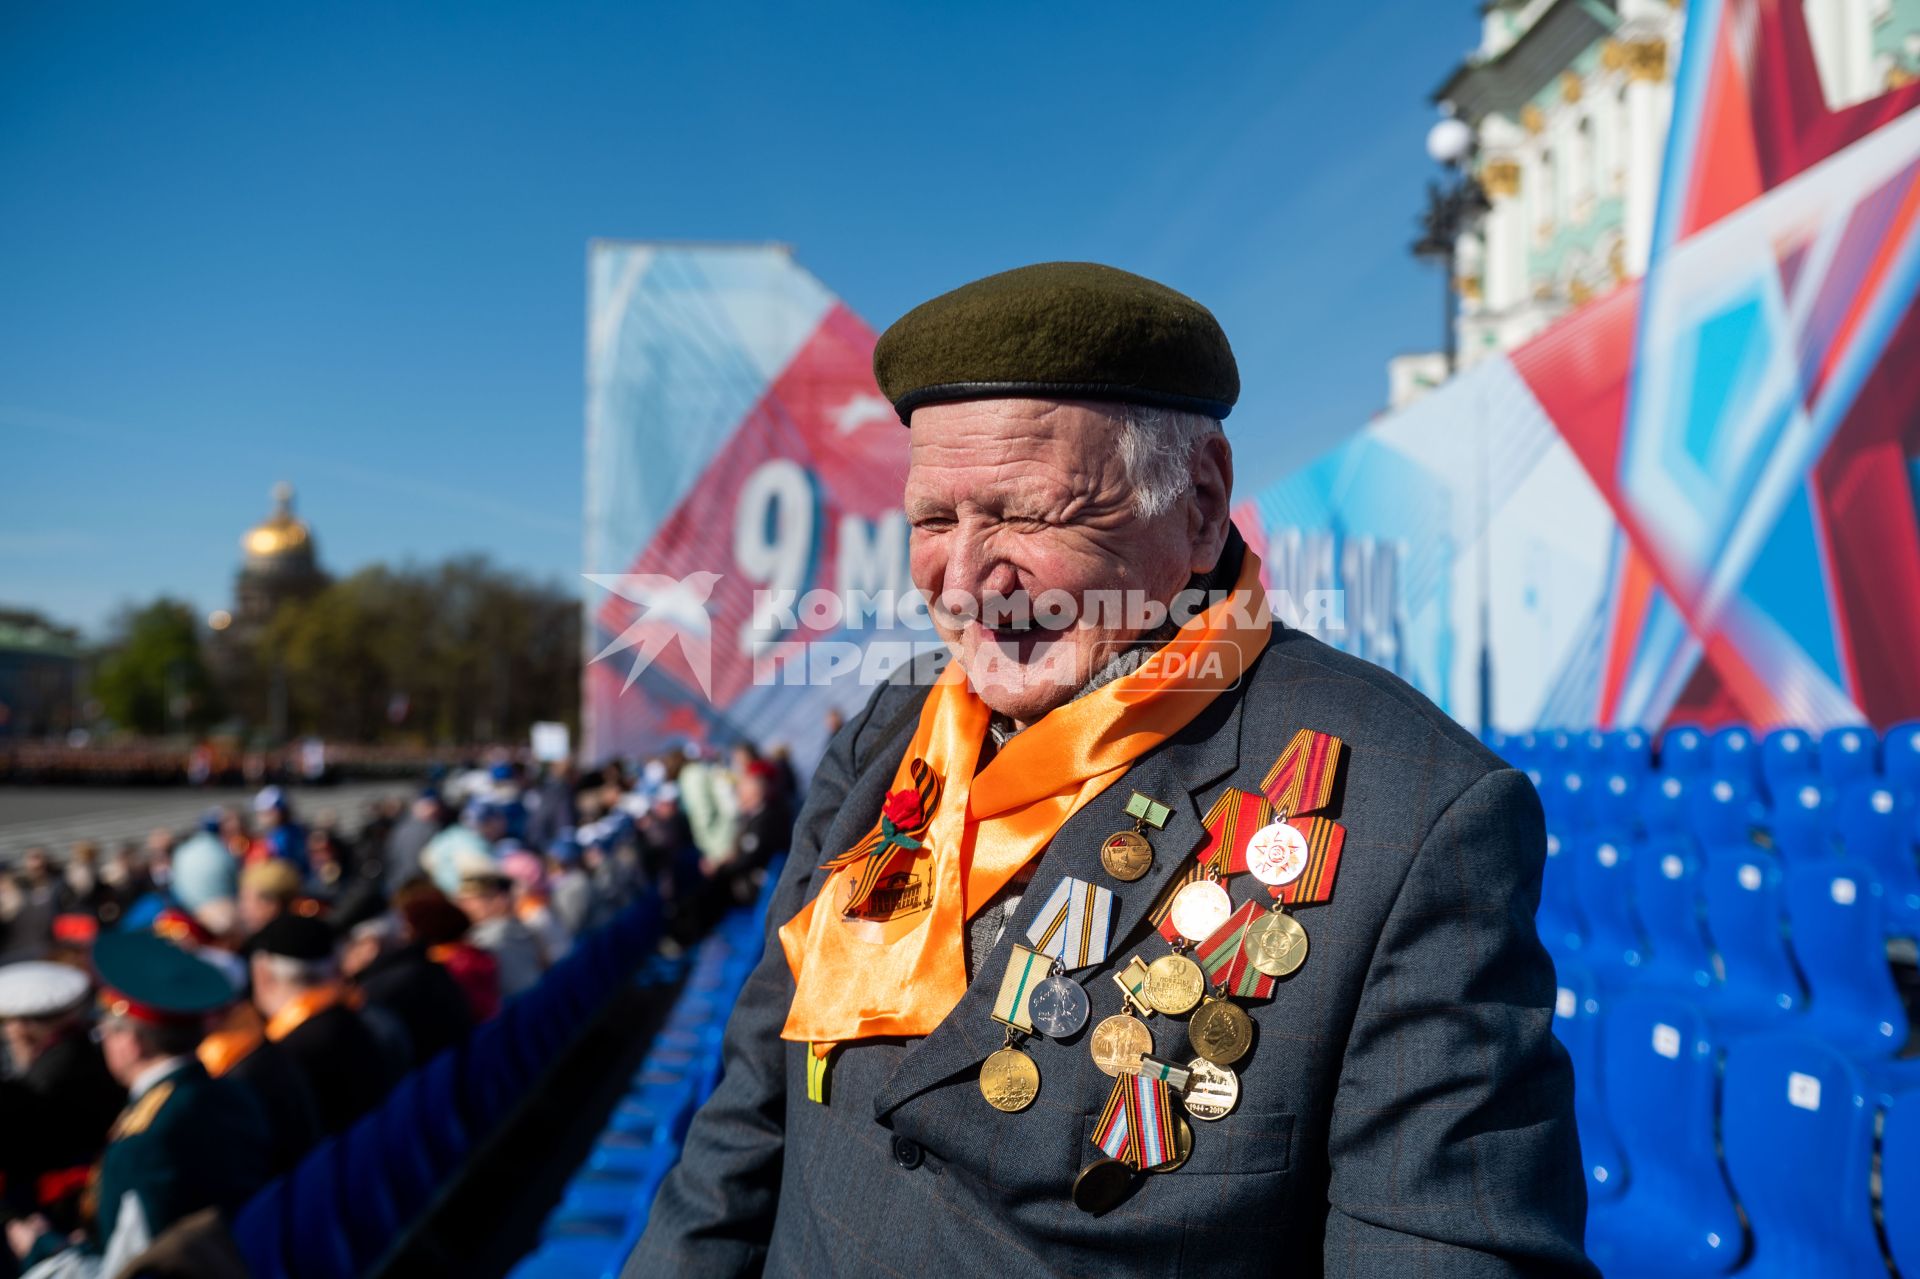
(282, 538)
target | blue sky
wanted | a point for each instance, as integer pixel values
(345, 244)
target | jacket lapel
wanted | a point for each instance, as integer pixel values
(1176, 774)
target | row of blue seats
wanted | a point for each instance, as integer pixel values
(605, 1207)
(1758, 942)
(344, 1207)
(1710, 1153)
(1776, 762)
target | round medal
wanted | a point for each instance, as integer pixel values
(1119, 1043)
(1276, 944)
(1276, 854)
(1220, 1031)
(1126, 855)
(1009, 1080)
(1200, 908)
(1058, 1007)
(1174, 984)
(1101, 1186)
(1212, 1091)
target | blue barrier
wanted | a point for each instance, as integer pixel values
(349, 1201)
(605, 1207)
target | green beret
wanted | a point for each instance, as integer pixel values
(1059, 330)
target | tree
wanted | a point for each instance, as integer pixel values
(153, 677)
(473, 652)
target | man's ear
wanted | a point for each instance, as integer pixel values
(1210, 501)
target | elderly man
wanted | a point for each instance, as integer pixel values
(1148, 937)
(184, 1142)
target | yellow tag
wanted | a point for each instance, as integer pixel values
(817, 1065)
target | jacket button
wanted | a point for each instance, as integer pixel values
(907, 1153)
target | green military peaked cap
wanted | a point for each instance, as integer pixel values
(156, 980)
(1065, 330)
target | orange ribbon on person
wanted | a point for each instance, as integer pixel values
(857, 976)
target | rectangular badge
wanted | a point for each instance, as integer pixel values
(1132, 981)
(1025, 968)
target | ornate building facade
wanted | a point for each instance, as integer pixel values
(1569, 102)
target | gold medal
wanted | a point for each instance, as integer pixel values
(1118, 1044)
(1127, 855)
(1220, 1031)
(1212, 1090)
(1199, 908)
(1276, 944)
(1101, 1186)
(1182, 1145)
(1009, 1080)
(1174, 984)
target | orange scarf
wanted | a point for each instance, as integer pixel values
(855, 978)
(296, 1011)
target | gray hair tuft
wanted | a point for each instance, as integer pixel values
(1157, 446)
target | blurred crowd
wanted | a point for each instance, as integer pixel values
(345, 957)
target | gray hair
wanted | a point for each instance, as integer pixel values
(304, 973)
(1157, 447)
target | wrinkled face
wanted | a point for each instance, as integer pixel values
(1019, 506)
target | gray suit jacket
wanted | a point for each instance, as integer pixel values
(1405, 1109)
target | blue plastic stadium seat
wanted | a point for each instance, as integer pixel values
(405, 1153)
(1663, 805)
(1615, 804)
(1723, 811)
(1798, 1134)
(1740, 887)
(1685, 751)
(317, 1246)
(1576, 1021)
(259, 1231)
(1900, 1180)
(1787, 758)
(1848, 755)
(1736, 756)
(1630, 751)
(1836, 917)
(1603, 875)
(1802, 822)
(369, 1215)
(447, 1136)
(1875, 825)
(1900, 756)
(1559, 920)
(1568, 803)
(1667, 900)
(1676, 1217)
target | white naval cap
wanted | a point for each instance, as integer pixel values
(41, 989)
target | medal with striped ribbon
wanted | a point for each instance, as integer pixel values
(1225, 960)
(1072, 927)
(1313, 882)
(1230, 823)
(1138, 1125)
(1301, 780)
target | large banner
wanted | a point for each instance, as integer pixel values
(1692, 499)
(740, 464)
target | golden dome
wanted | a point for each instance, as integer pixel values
(281, 533)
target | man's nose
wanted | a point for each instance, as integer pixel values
(974, 574)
